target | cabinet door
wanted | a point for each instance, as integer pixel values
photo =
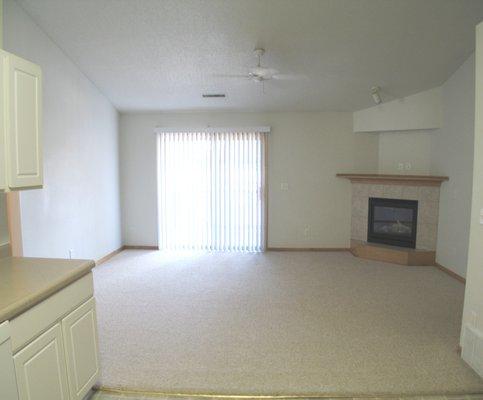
(3, 120)
(80, 336)
(24, 123)
(40, 368)
(8, 381)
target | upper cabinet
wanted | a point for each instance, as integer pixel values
(21, 123)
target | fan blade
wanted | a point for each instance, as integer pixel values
(289, 77)
(263, 72)
(230, 76)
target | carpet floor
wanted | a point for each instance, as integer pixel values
(287, 323)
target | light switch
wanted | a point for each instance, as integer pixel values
(284, 186)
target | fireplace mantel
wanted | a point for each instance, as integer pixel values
(385, 179)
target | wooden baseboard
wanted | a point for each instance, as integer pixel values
(308, 249)
(131, 247)
(109, 256)
(392, 254)
(450, 273)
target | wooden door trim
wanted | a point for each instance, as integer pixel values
(14, 223)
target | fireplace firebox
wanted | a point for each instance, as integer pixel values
(392, 221)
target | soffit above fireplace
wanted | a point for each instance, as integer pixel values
(385, 179)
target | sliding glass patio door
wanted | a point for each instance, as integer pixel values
(211, 190)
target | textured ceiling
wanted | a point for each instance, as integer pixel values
(163, 54)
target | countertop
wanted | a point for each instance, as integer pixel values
(25, 282)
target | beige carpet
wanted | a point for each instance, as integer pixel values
(278, 323)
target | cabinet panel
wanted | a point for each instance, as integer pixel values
(80, 337)
(3, 120)
(8, 381)
(40, 368)
(24, 123)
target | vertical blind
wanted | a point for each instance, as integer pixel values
(211, 191)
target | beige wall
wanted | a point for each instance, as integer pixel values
(305, 150)
(473, 310)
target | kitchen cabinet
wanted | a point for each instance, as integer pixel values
(20, 123)
(40, 368)
(8, 381)
(54, 345)
(80, 338)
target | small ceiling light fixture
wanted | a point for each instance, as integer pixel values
(213, 95)
(376, 96)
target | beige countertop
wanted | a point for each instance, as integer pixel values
(25, 282)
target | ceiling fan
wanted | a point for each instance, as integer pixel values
(262, 74)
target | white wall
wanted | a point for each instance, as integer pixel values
(446, 151)
(452, 155)
(305, 150)
(78, 208)
(473, 309)
(420, 111)
(410, 148)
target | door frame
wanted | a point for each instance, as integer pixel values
(14, 223)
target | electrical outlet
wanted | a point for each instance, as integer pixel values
(71, 254)
(408, 166)
(400, 166)
(306, 230)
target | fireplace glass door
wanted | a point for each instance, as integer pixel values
(392, 221)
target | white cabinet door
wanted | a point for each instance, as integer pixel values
(8, 382)
(3, 120)
(24, 123)
(40, 368)
(80, 337)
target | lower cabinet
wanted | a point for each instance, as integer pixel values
(40, 368)
(80, 341)
(62, 363)
(8, 380)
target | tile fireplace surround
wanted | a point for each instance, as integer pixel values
(428, 209)
(424, 189)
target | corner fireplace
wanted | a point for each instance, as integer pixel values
(392, 221)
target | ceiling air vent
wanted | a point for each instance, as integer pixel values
(213, 95)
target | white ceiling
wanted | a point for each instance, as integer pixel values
(162, 54)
